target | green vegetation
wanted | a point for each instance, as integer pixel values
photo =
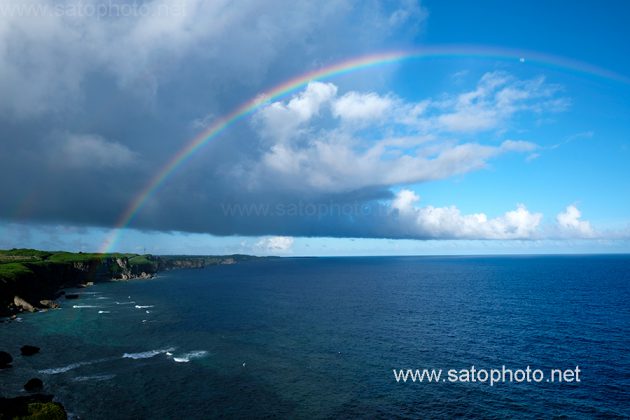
(13, 271)
(25, 253)
(72, 257)
(31, 407)
(45, 411)
(140, 259)
(144, 263)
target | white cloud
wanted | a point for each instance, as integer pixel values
(364, 140)
(277, 244)
(280, 121)
(408, 12)
(570, 224)
(458, 76)
(355, 106)
(92, 151)
(450, 223)
(497, 97)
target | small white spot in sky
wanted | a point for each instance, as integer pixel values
(522, 59)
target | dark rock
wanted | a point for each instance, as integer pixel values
(72, 296)
(27, 350)
(34, 385)
(5, 360)
(38, 406)
(51, 304)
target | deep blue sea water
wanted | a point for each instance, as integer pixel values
(320, 337)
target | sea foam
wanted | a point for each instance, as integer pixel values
(54, 371)
(146, 354)
(93, 378)
(187, 357)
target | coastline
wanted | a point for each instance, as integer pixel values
(32, 280)
(35, 281)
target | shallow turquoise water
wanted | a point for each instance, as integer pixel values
(320, 337)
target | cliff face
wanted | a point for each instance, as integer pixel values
(111, 268)
(176, 262)
(43, 279)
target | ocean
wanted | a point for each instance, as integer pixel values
(328, 338)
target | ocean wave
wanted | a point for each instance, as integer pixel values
(102, 298)
(84, 306)
(146, 354)
(54, 371)
(93, 378)
(103, 312)
(126, 303)
(187, 357)
(143, 306)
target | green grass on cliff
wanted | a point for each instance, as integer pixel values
(71, 257)
(139, 259)
(143, 263)
(24, 252)
(15, 263)
(13, 271)
(23, 255)
(33, 255)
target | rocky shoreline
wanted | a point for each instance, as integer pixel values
(32, 281)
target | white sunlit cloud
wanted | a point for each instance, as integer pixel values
(317, 139)
(275, 244)
(449, 223)
(570, 223)
(354, 106)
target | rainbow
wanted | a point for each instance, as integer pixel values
(331, 71)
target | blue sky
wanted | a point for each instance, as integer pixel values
(451, 155)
